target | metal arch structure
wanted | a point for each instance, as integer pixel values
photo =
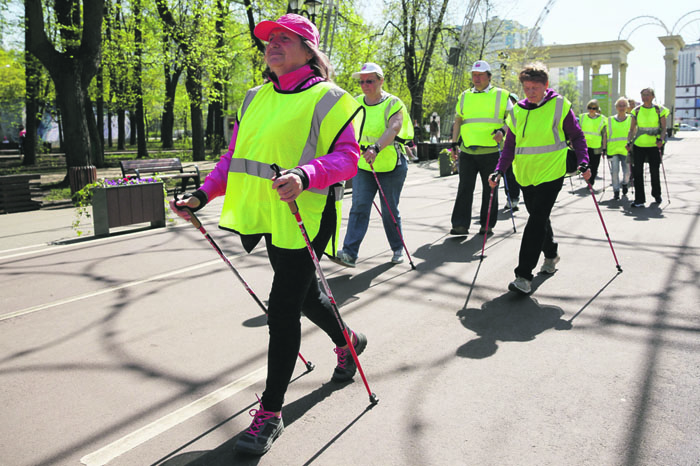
(676, 29)
(649, 21)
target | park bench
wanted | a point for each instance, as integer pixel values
(16, 193)
(165, 168)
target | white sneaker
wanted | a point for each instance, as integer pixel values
(520, 285)
(550, 265)
(397, 258)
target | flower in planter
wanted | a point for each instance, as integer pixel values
(83, 199)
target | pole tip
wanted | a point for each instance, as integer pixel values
(373, 399)
(619, 269)
(310, 366)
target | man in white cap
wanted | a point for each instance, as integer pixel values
(478, 130)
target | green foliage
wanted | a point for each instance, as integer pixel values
(11, 92)
(568, 87)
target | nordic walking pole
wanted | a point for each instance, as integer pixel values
(398, 230)
(661, 158)
(198, 225)
(488, 226)
(295, 211)
(595, 201)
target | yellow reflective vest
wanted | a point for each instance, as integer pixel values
(617, 135)
(376, 122)
(540, 143)
(648, 124)
(593, 128)
(481, 113)
(289, 129)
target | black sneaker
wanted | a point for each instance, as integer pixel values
(636, 205)
(658, 199)
(624, 189)
(346, 368)
(617, 196)
(459, 231)
(263, 431)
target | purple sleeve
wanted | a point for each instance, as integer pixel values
(215, 182)
(574, 134)
(508, 152)
(339, 165)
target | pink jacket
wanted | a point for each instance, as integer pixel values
(339, 165)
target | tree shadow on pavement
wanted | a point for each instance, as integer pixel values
(509, 317)
(347, 287)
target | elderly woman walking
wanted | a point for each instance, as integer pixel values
(302, 122)
(536, 146)
(386, 130)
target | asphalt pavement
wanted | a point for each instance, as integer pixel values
(143, 348)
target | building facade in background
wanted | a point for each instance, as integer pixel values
(688, 85)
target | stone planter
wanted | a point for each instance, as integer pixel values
(118, 206)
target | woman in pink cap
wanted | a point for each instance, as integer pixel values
(302, 122)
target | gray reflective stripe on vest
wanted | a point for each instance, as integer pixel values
(388, 108)
(496, 118)
(482, 120)
(512, 117)
(610, 131)
(558, 143)
(651, 131)
(323, 107)
(248, 99)
(261, 170)
(339, 192)
(591, 133)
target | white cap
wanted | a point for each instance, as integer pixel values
(482, 66)
(369, 68)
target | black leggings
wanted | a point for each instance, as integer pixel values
(295, 289)
(538, 236)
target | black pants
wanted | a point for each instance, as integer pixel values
(295, 288)
(469, 166)
(538, 236)
(513, 186)
(639, 156)
(593, 164)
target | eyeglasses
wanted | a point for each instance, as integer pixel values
(368, 81)
(592, 108)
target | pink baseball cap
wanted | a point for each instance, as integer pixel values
(291, 22)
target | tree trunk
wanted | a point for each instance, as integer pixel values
(100, 108)
(194, 91)
(168, 119)
(96, 155)
(121, 130)
(139, 117)
(32, 108)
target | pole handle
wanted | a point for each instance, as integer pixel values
(293, 204)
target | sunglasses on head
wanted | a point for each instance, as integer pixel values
(367, 81)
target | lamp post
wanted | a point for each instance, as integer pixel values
(312, 8)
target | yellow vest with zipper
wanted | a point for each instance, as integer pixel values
(376, 122)
(617, 135)
(592, 128)
(540, 143)
(481, 113)
(289, 129)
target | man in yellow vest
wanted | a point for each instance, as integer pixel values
(536, 145)
(478, 129)
(646, 139)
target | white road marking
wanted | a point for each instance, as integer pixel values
(106, 454)
(112, 289)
